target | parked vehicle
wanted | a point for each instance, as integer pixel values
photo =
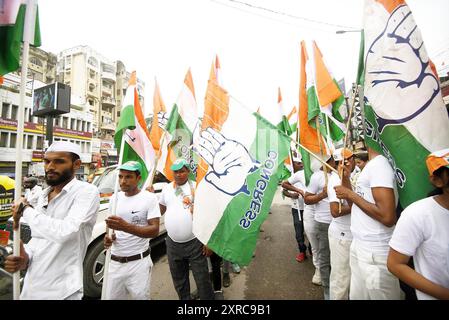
(96, 254)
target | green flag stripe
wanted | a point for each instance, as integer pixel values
(242, 218)
(397, 143)
(11, 42)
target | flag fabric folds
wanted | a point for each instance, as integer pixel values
(156, 131)
(244, 153)
(12, 21)
(406, 118)
(137, 145)
(324, 97)
(308, 135)
(181, 125)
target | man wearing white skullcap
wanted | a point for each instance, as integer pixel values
(61, 226)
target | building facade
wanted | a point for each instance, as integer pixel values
(101, 84)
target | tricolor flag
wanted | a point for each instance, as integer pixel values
(12, 20)
(406, 118)
(156, 131)
(308, 135)
(293, 120)
(243, 153)
(282, 123)
(324, 97)
(216, 109)
(137, 145)
(182, 123)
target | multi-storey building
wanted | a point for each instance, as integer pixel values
(75, 126)
(101, 83)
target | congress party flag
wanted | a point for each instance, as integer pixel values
(406, 118)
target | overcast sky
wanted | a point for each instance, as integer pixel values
(258, 49)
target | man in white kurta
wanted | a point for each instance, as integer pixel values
(61, 227)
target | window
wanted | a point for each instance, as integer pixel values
(36, 61)
(29, 144)
(40, 143)
(93, 62)
(29, 116)
(88, 127)
(14, 111)
(73, 124)
(5, 109)
(12, 141)
(65, 122)
(3, 139)
(56, 122)
(91, 102)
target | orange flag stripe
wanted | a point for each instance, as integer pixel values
(216, 110)
(327, 90)
(158, 106)
(308, 136)
(390, 5)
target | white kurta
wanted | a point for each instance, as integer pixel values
(61, 230)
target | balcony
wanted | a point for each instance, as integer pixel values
(106, 90)
(108, 75)
(108, 126)
(108, 101)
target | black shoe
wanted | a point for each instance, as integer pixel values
(218, 295)
(226, 280)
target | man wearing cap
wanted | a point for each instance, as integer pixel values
(373, 216)
(316, 194)
(61, 227)
(32, 190)
(183, 248)
(422, 231)
(340, 236)
(135, 222)
(294, 188)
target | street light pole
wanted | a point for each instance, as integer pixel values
(345, 31)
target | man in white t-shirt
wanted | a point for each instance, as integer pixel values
(135, 223)
(316, 194)
(423, 232)
(340, 236)
(183, 248)
(373, 216)
(294, 188)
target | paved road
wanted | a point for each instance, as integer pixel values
(274, 274)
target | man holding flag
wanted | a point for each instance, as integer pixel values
(136, 220)
(183, 248)
(61, 224)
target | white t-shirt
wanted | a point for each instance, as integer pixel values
(340, 227)
(298, 180)
(178, 218)
(369, 232)
(137, 210)
(422, 231)
(322, 209)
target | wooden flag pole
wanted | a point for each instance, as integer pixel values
(348, 124)
(317, 124)
(113, 213)
(30, 14)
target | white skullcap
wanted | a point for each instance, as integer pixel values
(64, 146)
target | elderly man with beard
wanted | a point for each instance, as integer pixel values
(61, 227)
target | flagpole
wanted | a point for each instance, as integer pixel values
(113, 213)
(156, 159)
(30, 12)
(348, 123)
(317, 124)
